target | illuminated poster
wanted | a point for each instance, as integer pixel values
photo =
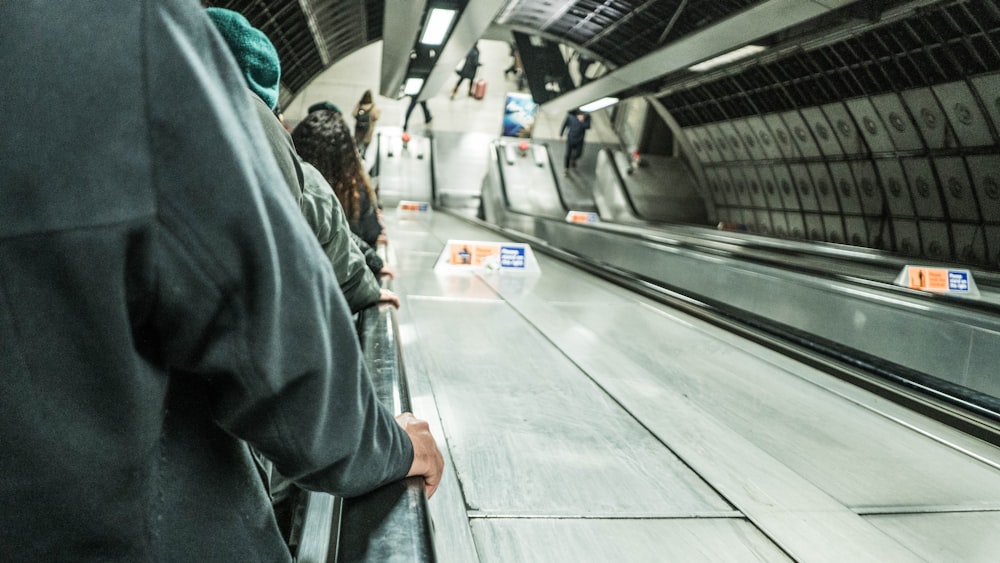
(519, 115)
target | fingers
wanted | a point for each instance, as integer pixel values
(427, 460)
(387, 296)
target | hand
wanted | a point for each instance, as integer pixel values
(387, 271)
(427, 460)
(387, 296)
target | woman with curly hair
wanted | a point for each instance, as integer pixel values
(325, 140)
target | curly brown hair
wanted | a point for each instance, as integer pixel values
(324, 139)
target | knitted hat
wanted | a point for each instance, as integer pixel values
(253, 51)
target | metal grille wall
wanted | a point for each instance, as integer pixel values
(886, 139)
(309, 35)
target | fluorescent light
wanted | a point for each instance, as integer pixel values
(437, 26)
(413, 86)
(599, 104)
(731, 56)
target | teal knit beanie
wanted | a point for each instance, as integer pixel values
(254, 52)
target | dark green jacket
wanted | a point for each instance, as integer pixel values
(161, 301)
(323, 213)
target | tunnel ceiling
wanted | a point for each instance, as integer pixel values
(921, 48)
(618, 31)
(312, 35)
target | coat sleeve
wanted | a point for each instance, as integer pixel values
(370, 254)
(323, 213)
(243, 296)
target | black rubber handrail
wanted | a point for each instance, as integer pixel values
(390, 524)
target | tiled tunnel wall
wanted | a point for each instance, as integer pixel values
(886, 139)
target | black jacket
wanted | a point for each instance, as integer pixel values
(161, 301)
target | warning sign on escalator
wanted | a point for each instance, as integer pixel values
(479, 256)
(939, 280)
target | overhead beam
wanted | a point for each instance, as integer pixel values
(476, 18)
(400, 27)
(741, 29)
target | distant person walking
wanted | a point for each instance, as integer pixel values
(574, 128)
(468, 71)
(365, 115)
(409, 110)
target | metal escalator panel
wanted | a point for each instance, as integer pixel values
(960, 200)
(762, 222)
(780, 136)
(907, 236)
(895, 187)
(696, 135)
(872, 201)
(930, 119)
(992, 233)
(800, 134)
(721, 142)
(822, 132)
(935, 241)
(870, 125)
(926, 196)
(803, 185)
(847, 192)
(970, 243)
(734, 140)
(856, 232)
(714, 185)
(987, 88)
(833, 225)
(755, 188)
(824, 187)
(751, 145)
(785, 185)
(970, 125)
(845, 129)
(779, 223)
(899, 126)
(741, 186)
(727, 195)
(985, 172)
(796, 225)
(769, 187)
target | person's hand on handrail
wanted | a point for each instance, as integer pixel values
(388, 296)
(427, 460)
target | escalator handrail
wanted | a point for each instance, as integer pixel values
(390, 524)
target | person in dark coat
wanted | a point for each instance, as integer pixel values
(163, 304)
(574, 128)
(468, 71)
(257, 58)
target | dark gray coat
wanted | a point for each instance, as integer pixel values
(160, 301)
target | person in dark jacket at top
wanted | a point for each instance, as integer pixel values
(574, 128)
(468, 71)
(163, 304)
(257, 58)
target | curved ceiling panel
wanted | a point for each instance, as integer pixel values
(619, 31)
